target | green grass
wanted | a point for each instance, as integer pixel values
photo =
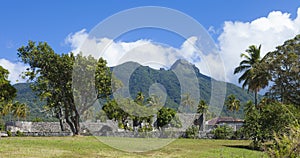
(92, 147)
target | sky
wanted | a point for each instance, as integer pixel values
(65, 26)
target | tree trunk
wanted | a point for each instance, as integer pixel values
(76, 123)
(61, 123)
(69, 120)
(202, 122)
(70, 124)
(61, 120)
(255, 98)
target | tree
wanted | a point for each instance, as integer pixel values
(115, 112)
(260, 124)
(7, 92)
(20, 110)
(252, 77)
(155, 103)
(284, 67)
(287, 144)
(164, 117)
(141, 113)
(52, 75)
(223, 132)
(232, 103)
(140, 98)
(187, 104)
(202, 109)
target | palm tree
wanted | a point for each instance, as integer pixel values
(6, 109)
(232, 103)
(252, 77)
(187, 103)
(202, 109)
(155, 102)
(139, 99)
(20, 110)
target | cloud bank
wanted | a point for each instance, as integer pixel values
(144, 51)
(234, 39)
(270, 32)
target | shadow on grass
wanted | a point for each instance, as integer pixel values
(242, 147)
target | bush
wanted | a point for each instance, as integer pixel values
(9, 133)
(287, 144)
(223, 132)
(37, 119)
(261, 122)
(240, 134)
(2, 125)
(19, 134)
(192, 132)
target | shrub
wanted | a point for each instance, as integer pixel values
(223, 132)
(287, 144)
(9, 133)
(240, 134)
(192, 132)
(19, 134)
(37, 119)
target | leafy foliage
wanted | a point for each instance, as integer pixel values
(202, 109)
(287, 144)
(7, 94)
(7, 91)
(167, 116)
(223, 132)
(192, 132)
(252, 77)
(283, 65)
(52, 75)
(260, 124)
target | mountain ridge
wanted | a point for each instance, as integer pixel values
(142, 77)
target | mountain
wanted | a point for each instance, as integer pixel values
(182, 76)
(26, 95)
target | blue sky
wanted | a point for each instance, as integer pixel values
(53, 21)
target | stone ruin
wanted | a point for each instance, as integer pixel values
(108, 128)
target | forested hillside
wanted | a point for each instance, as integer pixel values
(141, 79)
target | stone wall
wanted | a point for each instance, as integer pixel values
(54, 127)
(109, 128)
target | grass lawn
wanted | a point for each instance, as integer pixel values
(91, 147)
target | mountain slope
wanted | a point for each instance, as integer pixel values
(141, 78)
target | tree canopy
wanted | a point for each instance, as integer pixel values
(283, 65)
(52, 75)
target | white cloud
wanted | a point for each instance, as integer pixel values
(15, 70)
(234, 39)
(145, 52)
(270, 31)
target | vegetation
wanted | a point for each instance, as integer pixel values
(7, 94)
(165, 77)
(252, 79)
(260, 124)
(165, 117)
(202, 109)
(53, 81)
(283, 69)
(232, 103)
(269, 119)
(223, 132)
(287, 144)
(70, 85)
(169, 80)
